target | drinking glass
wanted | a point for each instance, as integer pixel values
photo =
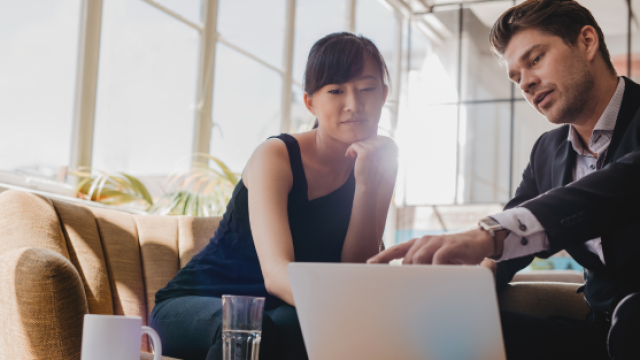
(241, 327)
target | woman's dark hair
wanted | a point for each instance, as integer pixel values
(339, 58)
(562, 18)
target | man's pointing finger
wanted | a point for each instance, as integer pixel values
(395, 252)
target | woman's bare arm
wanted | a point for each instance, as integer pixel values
(269, 179)
(386, 184)
(375, 179)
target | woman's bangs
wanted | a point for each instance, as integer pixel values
(339, 58)
(341, 62)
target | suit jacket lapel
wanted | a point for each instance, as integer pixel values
(628, 109)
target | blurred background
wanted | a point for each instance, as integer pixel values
(139, 86)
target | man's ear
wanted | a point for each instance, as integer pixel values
(308, 102)
(589, 41)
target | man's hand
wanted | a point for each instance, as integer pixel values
(467, 248)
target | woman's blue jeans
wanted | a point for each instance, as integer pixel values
(190, 328)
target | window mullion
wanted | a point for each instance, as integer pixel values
(351, 16)
(86, 84)
(204, 98)
(287, 74)
(397, 73)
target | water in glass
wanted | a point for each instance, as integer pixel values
(241, 327)
(241, 344)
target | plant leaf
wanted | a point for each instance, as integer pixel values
(139, 188)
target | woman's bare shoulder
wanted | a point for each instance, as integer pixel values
(270, 158)
(305, 138)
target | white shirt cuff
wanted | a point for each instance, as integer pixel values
(526, 237)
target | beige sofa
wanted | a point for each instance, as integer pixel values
(59, 261)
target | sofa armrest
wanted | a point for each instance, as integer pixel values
(42, 306)
(147, 356)
(544, 299)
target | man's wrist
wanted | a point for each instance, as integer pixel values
(494, 231)
(498, 241)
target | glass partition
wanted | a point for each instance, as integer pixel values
(428, 116)
(485, 142)
(635, 41)
(377, 21)
(528, 126)
(484, 77)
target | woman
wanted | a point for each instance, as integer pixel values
(318, 196)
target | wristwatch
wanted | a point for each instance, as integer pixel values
(491, 226)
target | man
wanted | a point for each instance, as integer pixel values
(580, 192)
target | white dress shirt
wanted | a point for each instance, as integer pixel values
(527, 236)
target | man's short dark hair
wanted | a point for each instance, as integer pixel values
(562, 18)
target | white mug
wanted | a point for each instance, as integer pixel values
(108, 337)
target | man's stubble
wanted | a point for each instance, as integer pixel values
(579, 87)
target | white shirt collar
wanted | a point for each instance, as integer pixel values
(607, 122)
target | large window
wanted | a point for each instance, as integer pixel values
(146, 89)
(314, 19)
(246, 106)
(176, 77)
(378, 21)
(248, 78)
(39, 41)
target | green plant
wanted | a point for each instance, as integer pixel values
(201, 190)
(541, 264)
(111, 188)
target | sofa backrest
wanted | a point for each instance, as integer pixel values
(122, 259)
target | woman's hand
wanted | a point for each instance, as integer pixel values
(375, 157)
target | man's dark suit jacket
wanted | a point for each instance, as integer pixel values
(604, 204)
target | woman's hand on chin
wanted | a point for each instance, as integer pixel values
(374, 157)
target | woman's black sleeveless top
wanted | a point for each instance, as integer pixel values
(229, 264)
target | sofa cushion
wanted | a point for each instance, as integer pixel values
(158, 236)
(85, 251)
(195, 233)
(42, 305)
(119, 237)
(28, 220)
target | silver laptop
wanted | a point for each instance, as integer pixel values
(383, 312)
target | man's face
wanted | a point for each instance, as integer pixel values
(555, 78)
